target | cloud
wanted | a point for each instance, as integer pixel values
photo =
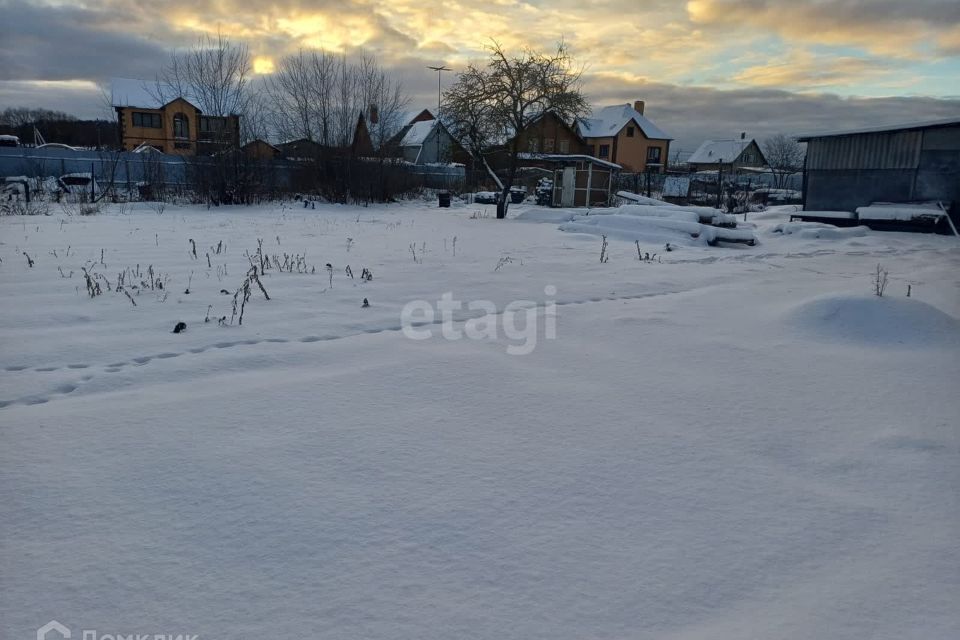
(889, 27)
(804, 70)
(707, 68)
(694, 114)
(69, 43)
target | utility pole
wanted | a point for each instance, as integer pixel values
(720, 183)
(439, 71)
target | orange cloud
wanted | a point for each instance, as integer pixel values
(886, 27)
(805, 71)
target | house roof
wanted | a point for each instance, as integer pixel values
(713, 151)
(563, 123)
(425, 114)
(608, 121)
(416, 133)
(126, 92)
(260, 141)
(928, 124)
(288, 143)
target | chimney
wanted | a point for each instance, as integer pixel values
(638, 106)
(374, 114)
(743, 135)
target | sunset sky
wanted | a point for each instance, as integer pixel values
(706, 68)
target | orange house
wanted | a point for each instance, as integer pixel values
(623, 135)
(174, 126)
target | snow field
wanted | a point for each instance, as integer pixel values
(733, 443)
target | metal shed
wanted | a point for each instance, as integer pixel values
(578, 180)
(908, 163)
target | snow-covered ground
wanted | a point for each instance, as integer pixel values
(731, 442)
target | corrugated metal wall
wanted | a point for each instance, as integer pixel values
(891, 150)
(846, 172)
(123, 166)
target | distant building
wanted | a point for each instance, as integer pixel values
(301, 150)
(899, 164)
(362, 144)
(728, 154)
(621, 134)
(146, 114)
(549, 134)
(260, 150)
(425, 141)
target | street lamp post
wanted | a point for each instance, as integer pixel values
(439, 71)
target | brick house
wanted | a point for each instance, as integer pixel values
(174, 126)
(623, 135)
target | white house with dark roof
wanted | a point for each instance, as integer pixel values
(424, 141)
(622, 134)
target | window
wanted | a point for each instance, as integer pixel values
(564, 146)
(181, 126)
(148, 120)
(532, 145)
(653, 154)
(629, 132)
(548, 145)
(604, 151)
(211, 127)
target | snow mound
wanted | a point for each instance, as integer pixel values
(819, 231)
(653, 228)
(554, 216)
(648, 211)
(884, 211)
(876, 321)
(637, 228)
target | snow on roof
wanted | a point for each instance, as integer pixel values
(713, 151)
(417, 133)
(125, 92)
(565, 157)
(9, 138)
(883, 129)
(891, 211)
(143, 147)
(608, 121)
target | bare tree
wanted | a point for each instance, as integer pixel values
(19, 116)
(785, 157)
(475, 123)
(320, 97)
(294, 97)
(214, 74)
(384, 99)
(255, 123)
(497, 101)
(317, 96)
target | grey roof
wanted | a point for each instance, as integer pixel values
(417, 133)
(608, 122)
(714, 151)
(928, 124)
